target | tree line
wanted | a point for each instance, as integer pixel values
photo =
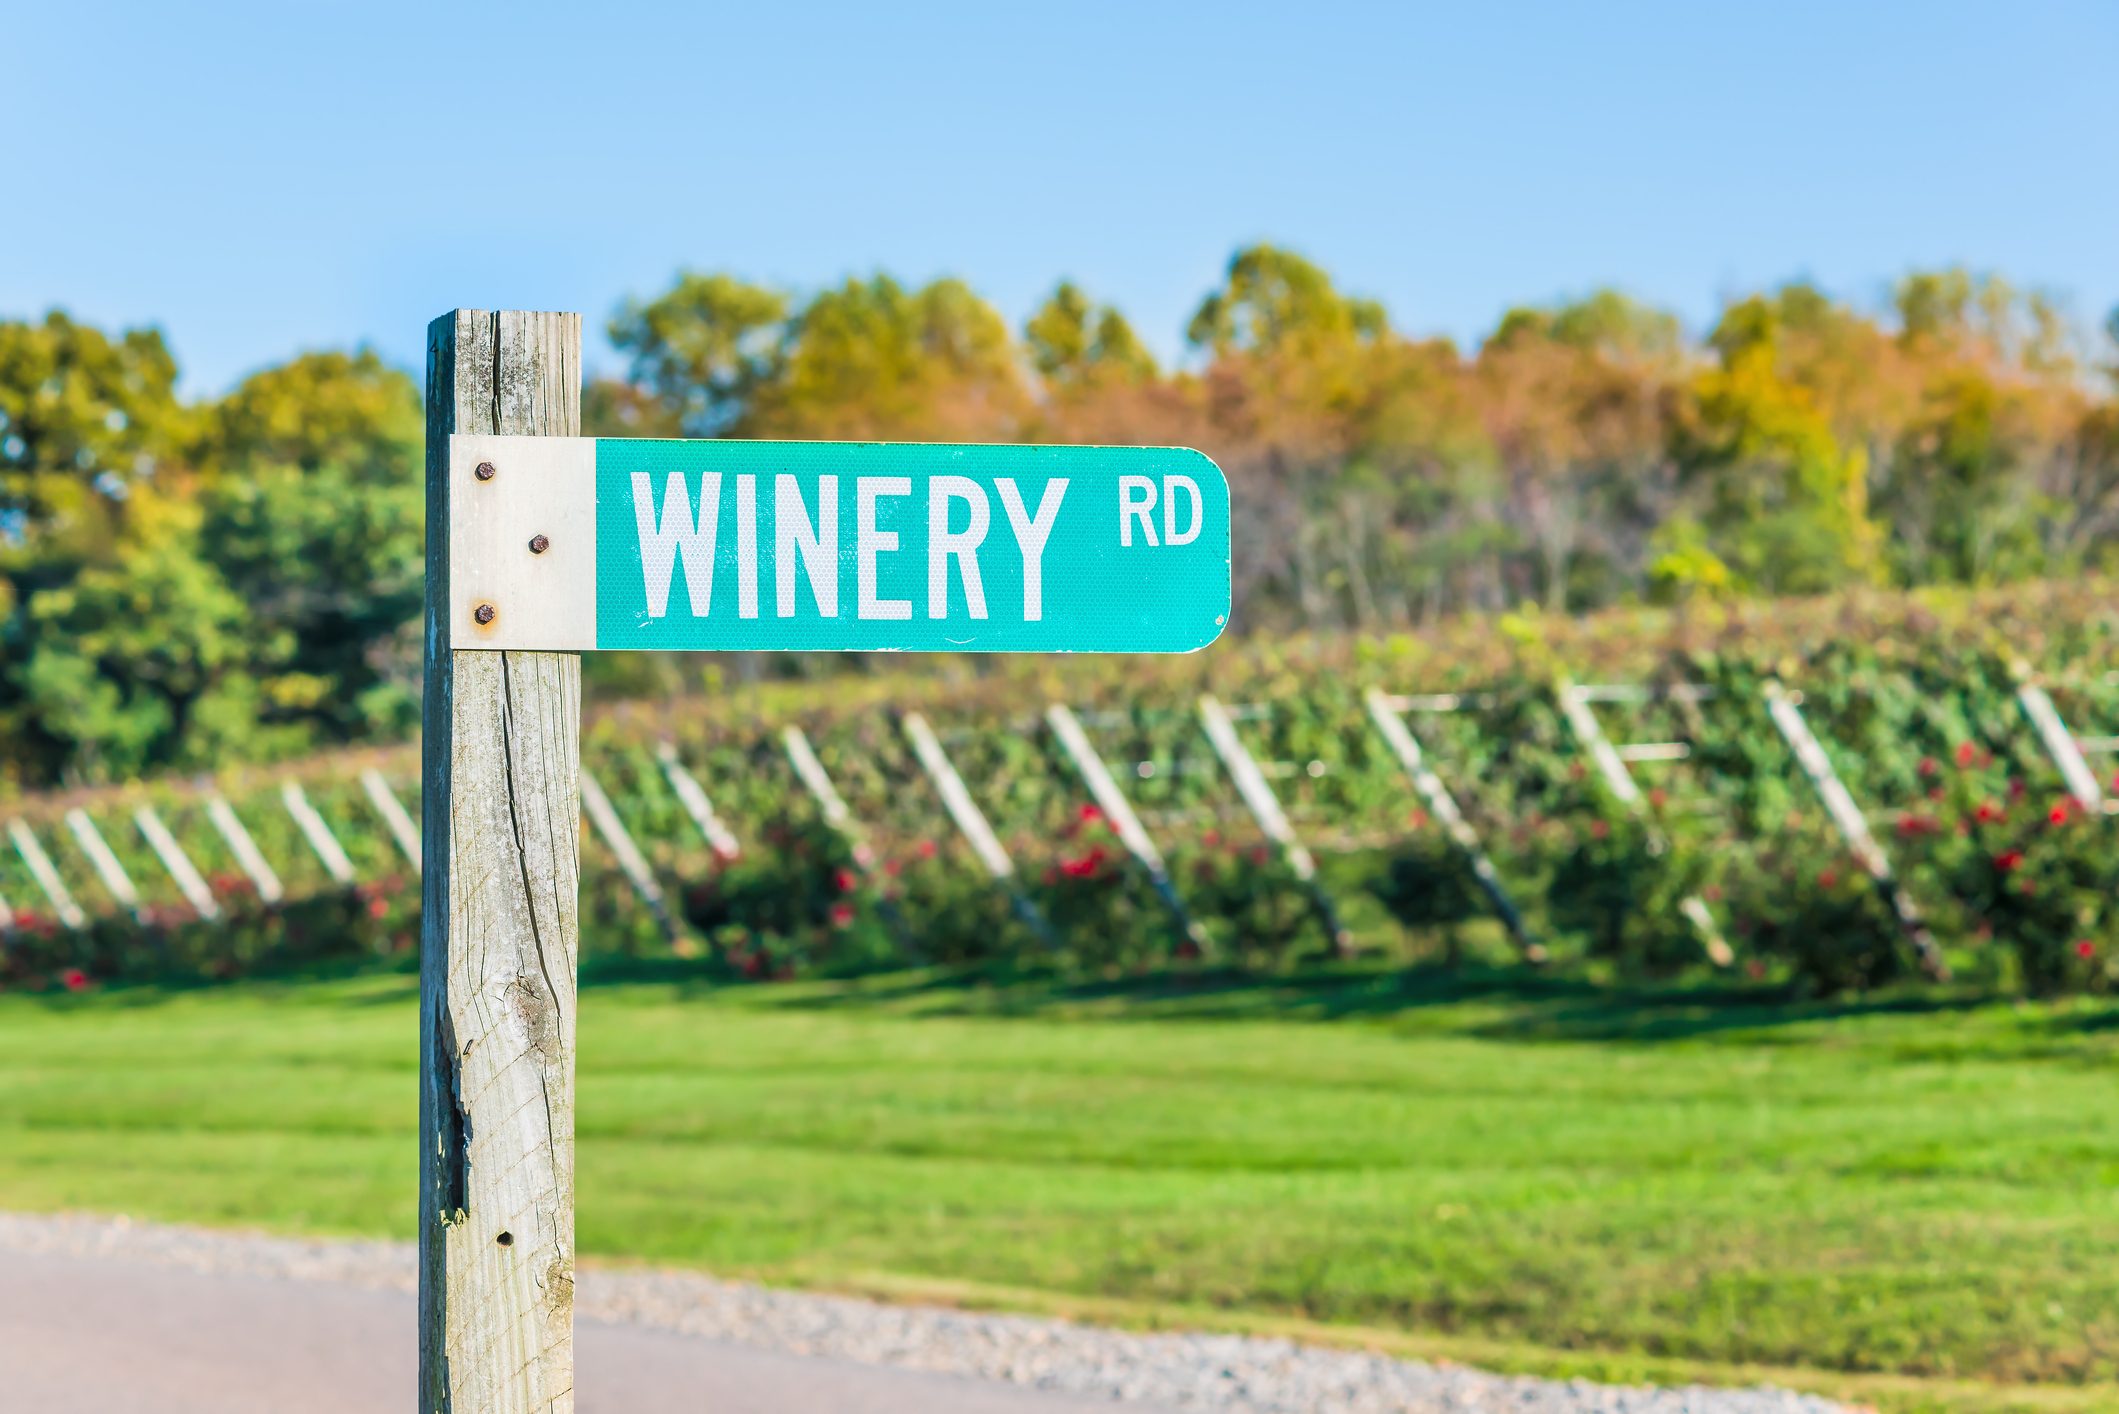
(185, 582)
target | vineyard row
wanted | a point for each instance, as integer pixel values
(1620, 818)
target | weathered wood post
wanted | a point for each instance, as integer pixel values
(499, 933)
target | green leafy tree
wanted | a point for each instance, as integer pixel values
(699, 355)
(311, 513)
(1783, 500)
(874, 358)
(1074, 342)
(85, 419)
(140, 662)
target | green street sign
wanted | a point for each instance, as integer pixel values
(610, 543)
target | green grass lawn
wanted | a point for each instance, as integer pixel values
(1910, 1203)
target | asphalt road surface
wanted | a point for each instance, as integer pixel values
(108, 1335)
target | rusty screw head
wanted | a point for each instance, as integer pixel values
(485, 613)
(485, 471)
(539, 544)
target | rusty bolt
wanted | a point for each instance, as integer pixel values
(539, 544)
(484, 471)
(485, 613)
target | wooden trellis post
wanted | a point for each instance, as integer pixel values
(1853, 826)
(692, 796)
(500, 924)
(1067, 728)
(2060, 743)
(395, 819)
(611, 830)
(115, 880)
(47, 876)
(328, 850)
(1265, 808)
(971, 822)
(177, 862)
(247, 855)
(1611, 765)
(1383, 711)
(809, 769)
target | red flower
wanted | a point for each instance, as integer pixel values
(1658, 797)
(1418, 819)
(1598, 829)
(377, 907)
(1965, 752)
(1260, 854)
(926, 849)
(74, 979)
(845, 880)
(1089, 812)
(2016, 788)
(1929, 766)
(2008, 859)
(1081, 868)
(1210, 838)
(893, 867)
(2057, 815)
(842, 915)
(1826, 878)
(2085, 949)
(1987, 813)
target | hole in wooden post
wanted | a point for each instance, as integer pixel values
(506, 1239)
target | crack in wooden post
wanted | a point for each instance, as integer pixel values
(500, 840)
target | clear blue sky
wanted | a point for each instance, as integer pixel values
(263, 179)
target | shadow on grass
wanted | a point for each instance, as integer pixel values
(1481, 1000)
(1498, 1002)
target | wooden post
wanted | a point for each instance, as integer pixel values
(1786, 710)
(329, 851)
(1265, 809)
(692, 796)
(394, 817)
(1611, 765)
(177, 862)
(2059, 742)
(1103, 789)
(1383, 711)
(809, 769)
(47, 876)
(245, 849)
(972, 824)
(611, 830)
(499, 938)
(116, 881)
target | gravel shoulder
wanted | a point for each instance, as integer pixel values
(841, 1352)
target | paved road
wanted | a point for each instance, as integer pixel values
(108, 1335)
